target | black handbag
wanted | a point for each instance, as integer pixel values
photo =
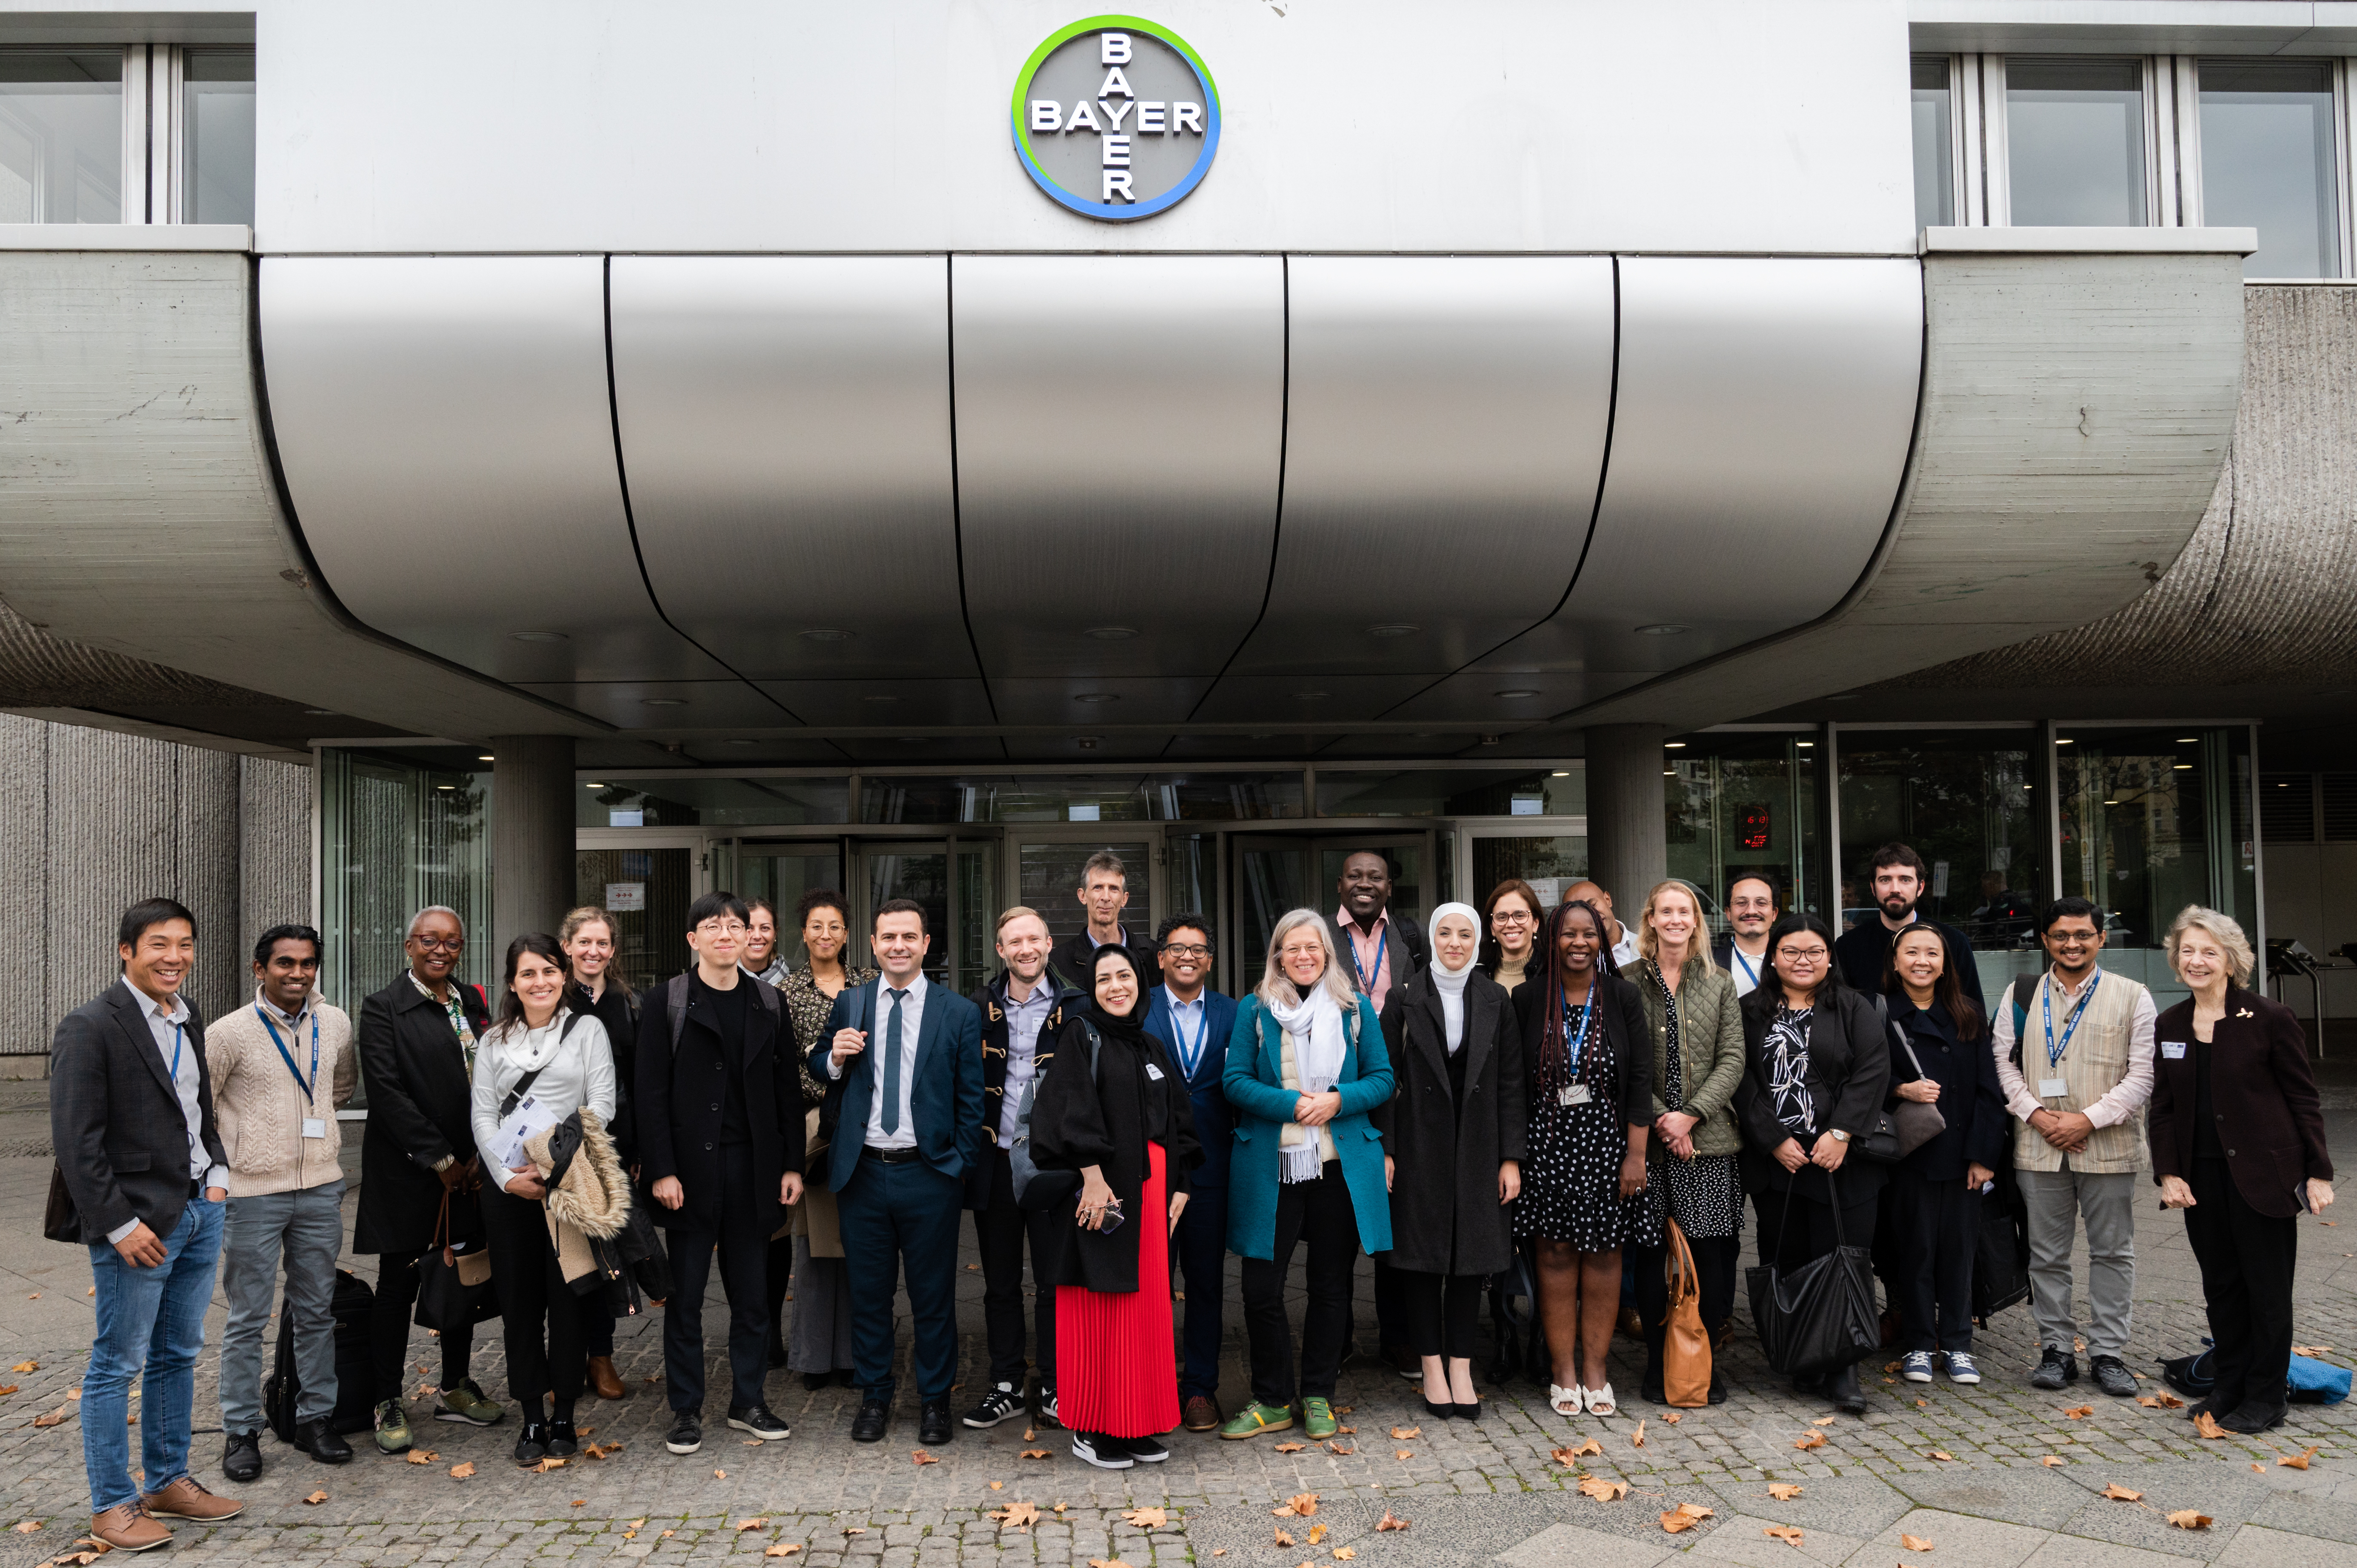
(2001, 1251)
(1821, 1317)
(1908, 1126)
(446, 1302)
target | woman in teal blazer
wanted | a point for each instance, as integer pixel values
(1306, 1063)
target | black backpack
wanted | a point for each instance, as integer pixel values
(355, 1369)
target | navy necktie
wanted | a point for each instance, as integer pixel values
(892, 1066)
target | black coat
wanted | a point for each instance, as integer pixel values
(1137, 1097)
(1863, 950)
(618, 1010)
(1630, 1091)
(679, 1094)
(1071, 963)
(121, 1140)
(2261, 1091)
(1979, 1130)
(420, 1108)
(1848, 1080)
(1445, 1217)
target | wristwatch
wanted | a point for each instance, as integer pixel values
(1839, 1136)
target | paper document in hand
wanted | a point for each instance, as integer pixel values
(529, 1119)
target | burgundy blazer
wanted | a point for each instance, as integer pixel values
(2265, 1093)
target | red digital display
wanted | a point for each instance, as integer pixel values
(1752, 827)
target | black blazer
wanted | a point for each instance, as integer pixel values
(681, 1090)
(1848, 1078)
(1631, 1087)
(1404, 944)
(420, 1108)
(1445, 1217)
(2262, 1092)
(115, 1118)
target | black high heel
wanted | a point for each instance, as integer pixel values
(1437, 1411)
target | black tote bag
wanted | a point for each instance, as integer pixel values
(1821, 1317)
(446, 1302)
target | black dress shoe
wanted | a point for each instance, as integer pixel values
(1843, 1388)
(531, 1443)
(934, 1426)
(563, 1441)
(868, 1425)
(1717, 1386)
(322, 1442)
(814, 1382)
(242, 1455)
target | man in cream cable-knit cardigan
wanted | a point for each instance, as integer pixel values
(280, 1068)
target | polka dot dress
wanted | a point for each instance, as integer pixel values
(1571, 1181)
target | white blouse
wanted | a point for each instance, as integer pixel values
(579, 1071)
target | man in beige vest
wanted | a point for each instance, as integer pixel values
(2074, 1056)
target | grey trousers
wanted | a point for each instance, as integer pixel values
(821, 1333)
(2057, 1200)
(308, 1227)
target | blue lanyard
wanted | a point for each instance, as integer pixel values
(1576, 1045)
(2055, 1053)
(179, 1033)
(1751, 969)
(1366, 981)
(287, 1058)
(1189, 1055)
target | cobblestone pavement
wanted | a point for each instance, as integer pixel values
(1992, 1478)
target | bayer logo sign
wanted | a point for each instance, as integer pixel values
(1117, 118)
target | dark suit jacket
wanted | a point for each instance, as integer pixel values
(681, 1091)
(1404, 944)
(944, 1096)
(115, 1120)
(990, 998)
(420, 1108)
(1848, 1080)
(2261, 1090)
(1445, 1217)
(1215, 1119)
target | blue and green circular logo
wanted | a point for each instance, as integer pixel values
(1117, 118)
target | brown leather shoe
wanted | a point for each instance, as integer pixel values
(126, 1529)
(606, 1382)
(184, 1498)
(1203, 1413)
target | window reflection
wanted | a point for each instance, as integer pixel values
(217, 137)
(1743, 805)
(62, 136)
(1935, 197)
(2267, 162)
(2075, 136)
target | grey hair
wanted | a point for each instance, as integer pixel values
(2222, 927)
(1276, 988)
(434, 909)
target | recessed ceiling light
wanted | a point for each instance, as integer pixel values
(445, 786)
(537, 636)
(1394, 628)
(1097, 697)
(1516, 691)
(1111, 633)
(2187, 740)
(1563, 773)
(2184, 768)
(487, 757)
(2063, 740)
(828, 634)
(2111, 802)
(1669, 773)
(1804, 743)
(1673, 746)
(1662, 629)
(1308, 696)
(663, 702)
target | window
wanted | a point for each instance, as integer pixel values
(1743, 805)
(2075, 141)
(1935, 186)
(217, 137)
(62, 136)
(2286, 808)
(2268, 161)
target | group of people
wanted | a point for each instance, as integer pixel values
(1525, 1081)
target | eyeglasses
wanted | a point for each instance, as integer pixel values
(1522, 918)
(1185, 949)
(719, 927)
(1805, 955)
(447, 944)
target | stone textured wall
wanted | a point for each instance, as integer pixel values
(101, 820)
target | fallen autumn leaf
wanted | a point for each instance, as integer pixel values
(1146, 1519)
(461, 1471)
(318, 1496)
(782, 1549)
(1914, 1543)
(1392, 1521)
(2297, 1461)
(919, 1456)
(1603, 1490)
(2206, 1425)
(2190, 1519)
(1783, 1491)
(1785, 1533)
(2120, 1494)
(1809, 1440)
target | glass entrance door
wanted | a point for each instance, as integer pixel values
(1051, 871)
(646, 889)
(906, 868)
(782, 873)
(1277, 872)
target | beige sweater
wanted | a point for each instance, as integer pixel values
(261, 1111)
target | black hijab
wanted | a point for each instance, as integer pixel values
(1130, 1027)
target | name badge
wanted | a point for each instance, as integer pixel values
(315, 1126)
(2173, 1050)
(2049, 1088)
(1154, 1072)
(1572, 1094)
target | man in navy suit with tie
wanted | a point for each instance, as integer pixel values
(1194, 1021)
(907, 1122)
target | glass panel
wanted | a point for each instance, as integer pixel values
(2267, 161)
(710, 802)
(393, 839)
(2074, 133)
(782, 876)
(1131, 798)
(1935, 166)
(1052, 879)
(978, 909)
(1194, 888)
(1742, 805)
(1548, 864)
(647, 891)
(1272, 878)
(61, 137)
(1411, 894)
(1453, 793)
(922, 874)
(216, 170)
(2286, 808)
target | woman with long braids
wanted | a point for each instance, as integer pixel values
(1590, 1082)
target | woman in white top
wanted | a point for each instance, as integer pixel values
(561, 1060)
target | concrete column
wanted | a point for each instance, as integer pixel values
(532, 836)
(1628, 845)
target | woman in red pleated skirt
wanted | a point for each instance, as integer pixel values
(1110, 1105)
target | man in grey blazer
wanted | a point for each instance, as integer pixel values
(131, 1116)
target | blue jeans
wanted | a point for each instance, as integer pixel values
(151, 1318)
(308, 1227)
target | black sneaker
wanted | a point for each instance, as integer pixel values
(1047, 1408)
(2055, 1369)
(996, 1405)
(760, 1421)
(2112, 1376)
(686, 1434)
(1104, 1453)
(1145, 1450)
(242, 1455)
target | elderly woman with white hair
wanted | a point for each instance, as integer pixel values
(1305, 1063)
(2238, 1144)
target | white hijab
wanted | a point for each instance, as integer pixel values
(1315, 1025)
(1450, 982)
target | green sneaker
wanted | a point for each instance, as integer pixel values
(1254, 1419)
(392, 1428)
(1318, 1420)
(465, 1402)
